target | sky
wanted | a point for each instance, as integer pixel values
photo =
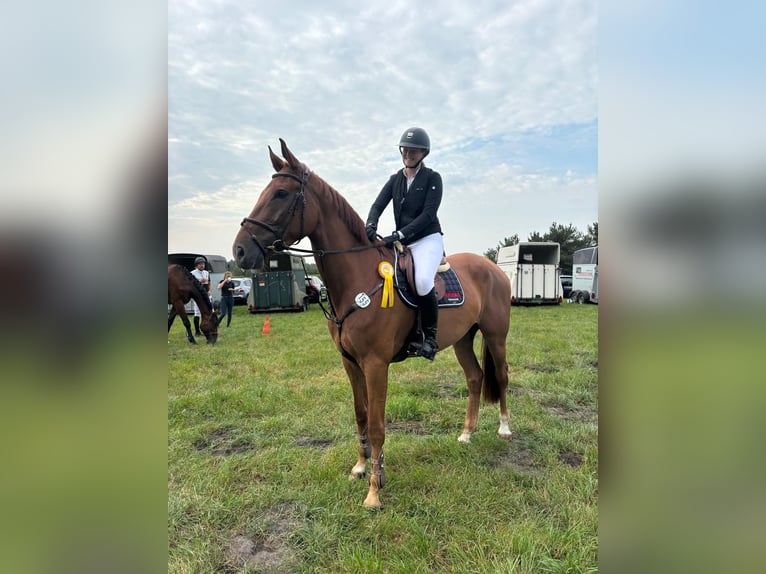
(507, 91)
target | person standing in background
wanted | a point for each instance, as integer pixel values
(203, 276)
(227, 298)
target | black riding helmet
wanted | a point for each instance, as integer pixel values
(417, 138)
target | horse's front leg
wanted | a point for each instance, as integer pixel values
(178, 309)
(359, 388)
(187, 326)
(376, 377)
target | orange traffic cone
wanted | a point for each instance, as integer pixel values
(266, 326)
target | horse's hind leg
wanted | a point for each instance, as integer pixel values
(359, 388)
(473, 376)
(496, 378)
(171, 318)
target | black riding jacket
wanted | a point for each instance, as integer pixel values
(414, 210)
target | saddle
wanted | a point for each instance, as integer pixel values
(449, 291)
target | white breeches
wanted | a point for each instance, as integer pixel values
(427, 253)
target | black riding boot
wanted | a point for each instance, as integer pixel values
(429, 316)
(196, 326)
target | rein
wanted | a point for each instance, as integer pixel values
(279, 246)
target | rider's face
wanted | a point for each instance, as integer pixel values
(411, 156)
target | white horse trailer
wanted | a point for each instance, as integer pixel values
(533, 268)
(585, 275)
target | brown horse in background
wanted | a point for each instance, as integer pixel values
(183, 286)
(298, 203)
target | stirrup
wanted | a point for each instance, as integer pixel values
(425, 350)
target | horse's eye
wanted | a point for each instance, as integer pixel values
(280, 194)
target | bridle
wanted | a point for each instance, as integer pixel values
(300, 199)
(279, 244)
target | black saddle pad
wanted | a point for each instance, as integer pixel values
(453, 290)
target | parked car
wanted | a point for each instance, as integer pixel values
(315, 289)
(242, 286)
(566, 285)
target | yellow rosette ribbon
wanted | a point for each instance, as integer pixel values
(386, 271)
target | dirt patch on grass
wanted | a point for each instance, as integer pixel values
(451, 390)
(573, 459)
(517, 391)
(320, 443)
(541, 368)
(221, 442)
(269, 551)
(519, 458)
(520, 461)
(580, 413)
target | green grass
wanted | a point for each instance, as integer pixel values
(262, 438)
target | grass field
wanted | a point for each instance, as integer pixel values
(261, 438)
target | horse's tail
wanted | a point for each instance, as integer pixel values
(491, 386)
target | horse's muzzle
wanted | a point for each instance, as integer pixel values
(247, 253)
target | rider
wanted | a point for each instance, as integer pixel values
(417, 193)
(203, 276)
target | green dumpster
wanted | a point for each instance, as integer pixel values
(282, 286)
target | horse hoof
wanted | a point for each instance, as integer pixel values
(465, 438)
(505, 436)
(372, 502)
(359, 471)
(192, 341)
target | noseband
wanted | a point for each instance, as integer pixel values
(300, 198)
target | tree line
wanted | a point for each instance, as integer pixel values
(567, 236)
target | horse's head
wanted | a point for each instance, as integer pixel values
(281, 216)
(209, 328)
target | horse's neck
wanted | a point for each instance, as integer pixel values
(344, 274)
(202, 301)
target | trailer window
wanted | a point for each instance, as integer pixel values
(216, 263)
(583, 256)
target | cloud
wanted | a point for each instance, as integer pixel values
(494, 84)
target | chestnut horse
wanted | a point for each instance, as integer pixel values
(183, 286)
(298, 203)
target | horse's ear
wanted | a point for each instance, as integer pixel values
(288, 155)
(276, 161)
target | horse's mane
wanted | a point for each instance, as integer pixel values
(347, 213)
(200, 289)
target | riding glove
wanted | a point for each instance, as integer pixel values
(372, 231)
(395, 236)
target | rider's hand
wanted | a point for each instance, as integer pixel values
(395, 236)
(372, 231)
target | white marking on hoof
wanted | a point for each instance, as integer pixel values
(359, 470)
(465, 437)
(504, 431)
